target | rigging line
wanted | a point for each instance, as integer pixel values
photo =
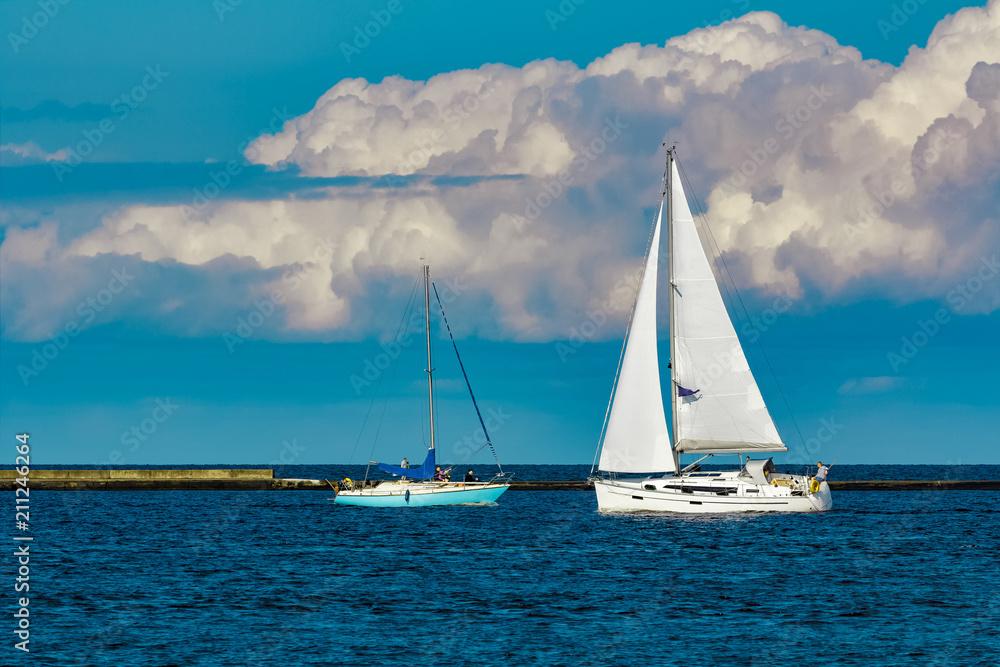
(382, 375)
(461, 464)
(392, 377)
(466, 376)
(628, 327)
(704, 217)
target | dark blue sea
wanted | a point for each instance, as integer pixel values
(540, 578)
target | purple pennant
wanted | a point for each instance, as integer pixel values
(682, 392)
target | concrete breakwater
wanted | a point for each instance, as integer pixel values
(226, 479)
(261, 479)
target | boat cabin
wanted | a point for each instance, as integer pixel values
(760, 471)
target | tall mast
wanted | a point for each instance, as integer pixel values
(670, 286)
(427, 327)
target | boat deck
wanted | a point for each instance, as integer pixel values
(261, 479)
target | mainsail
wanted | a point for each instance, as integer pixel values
(636, 439)
(726, 413)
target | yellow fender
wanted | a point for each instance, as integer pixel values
(814, 486)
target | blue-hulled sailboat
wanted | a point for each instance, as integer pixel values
(416, 487)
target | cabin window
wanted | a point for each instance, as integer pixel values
(649, 487)
(704, 489)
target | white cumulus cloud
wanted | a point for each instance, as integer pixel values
(826, 177)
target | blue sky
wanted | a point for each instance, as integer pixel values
(479, 128)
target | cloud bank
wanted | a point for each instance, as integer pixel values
(826, 178)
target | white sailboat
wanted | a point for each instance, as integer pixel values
(716, 405)
(416, 487)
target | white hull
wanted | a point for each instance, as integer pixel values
(422, 494)
(710, 493)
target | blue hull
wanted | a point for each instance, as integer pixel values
(398, 497)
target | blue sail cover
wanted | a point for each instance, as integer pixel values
(424, 471)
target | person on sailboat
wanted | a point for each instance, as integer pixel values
(405, 463)
(469, 477)
(819, 477)
(440, 475)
